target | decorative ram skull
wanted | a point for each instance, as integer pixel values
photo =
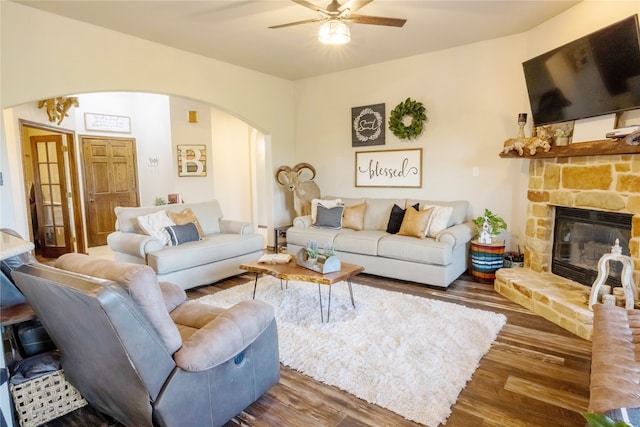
(304, 191)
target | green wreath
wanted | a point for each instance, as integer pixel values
(416, 110)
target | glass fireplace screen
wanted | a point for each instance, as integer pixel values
(582, 237)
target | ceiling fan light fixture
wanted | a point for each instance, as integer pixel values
(334, 32)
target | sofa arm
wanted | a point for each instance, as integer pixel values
(222, 338)
(457, 235)
(230, 226)
(133, 244)
(302, 221)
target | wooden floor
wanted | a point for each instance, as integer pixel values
(535, 374)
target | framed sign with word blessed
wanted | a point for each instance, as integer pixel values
(389, 168)
(367, 125)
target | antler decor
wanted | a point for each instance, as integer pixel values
(57, 108)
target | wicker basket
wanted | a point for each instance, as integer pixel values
(44, 398)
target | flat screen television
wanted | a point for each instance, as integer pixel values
(594, 75)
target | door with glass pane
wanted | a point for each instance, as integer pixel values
(51, 195)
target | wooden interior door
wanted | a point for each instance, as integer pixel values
(110, 181)
(50, 191)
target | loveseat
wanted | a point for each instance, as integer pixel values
(138, 351)
(200, 248)
(435, 255)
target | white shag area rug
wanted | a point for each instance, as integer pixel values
(408, 354)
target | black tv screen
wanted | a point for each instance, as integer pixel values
(594, 75)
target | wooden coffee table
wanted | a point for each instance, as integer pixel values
(293, 271)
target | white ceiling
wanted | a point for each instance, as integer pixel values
(236, 31)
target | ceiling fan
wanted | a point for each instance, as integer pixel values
(334, 30)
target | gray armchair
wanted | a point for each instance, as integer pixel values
(138, 351)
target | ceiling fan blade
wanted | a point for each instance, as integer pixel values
(353, 5)
(375, 20)
(306, 21)
(311, 6)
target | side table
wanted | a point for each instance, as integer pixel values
(280, 237)
(10, 246)
(486, 258)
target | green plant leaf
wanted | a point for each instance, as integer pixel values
(601, 420)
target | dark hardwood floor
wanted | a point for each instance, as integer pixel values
(535, 374)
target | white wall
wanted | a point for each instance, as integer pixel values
(84, 58)
(473, 95)
(151, 128)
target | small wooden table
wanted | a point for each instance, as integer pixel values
(293, 271)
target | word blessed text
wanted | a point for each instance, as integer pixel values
(375, 170)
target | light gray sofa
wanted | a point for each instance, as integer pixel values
(434, 261)
(226, 244)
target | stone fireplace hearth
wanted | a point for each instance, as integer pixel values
(608, 183)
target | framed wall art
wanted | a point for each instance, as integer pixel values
(192, 160)
(367, 125)
(107, 123)
(389, 168)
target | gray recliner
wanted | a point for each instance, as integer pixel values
(138, 351)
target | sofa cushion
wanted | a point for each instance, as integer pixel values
(439, 219)
(185, 217)
(363, 242)
(299, 236)
(138, 280)
(406, 248)
(353, 216)
(214, 247)
(154, 224)
(208, 214)
(396, 217)
(329, 217)
(179, 234)
(378, 212)
(327, 203)
(415, 222)
(458, 215)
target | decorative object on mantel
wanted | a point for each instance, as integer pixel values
(323, 263)
(408, 108)
(633, 138)
(304, 191)
(626, 277)
(562, 135)
(367, 125)
(520, 141)
(57, 108)
(489, 225)
(542, 139)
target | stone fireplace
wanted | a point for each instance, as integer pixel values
(609, 183)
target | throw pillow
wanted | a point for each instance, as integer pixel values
(327, 203)
(396, 217)
(184, 233)
(154, 225)
(439, 219)
(329, 217)
(353, 216)
(415, 222)
(185, 217)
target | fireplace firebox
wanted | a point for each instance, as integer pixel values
(582, 237)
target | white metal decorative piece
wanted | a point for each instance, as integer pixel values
(630, 289)
(485, 237)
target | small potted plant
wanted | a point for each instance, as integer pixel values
(562, 135)
(312, 251)
(489, 225)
